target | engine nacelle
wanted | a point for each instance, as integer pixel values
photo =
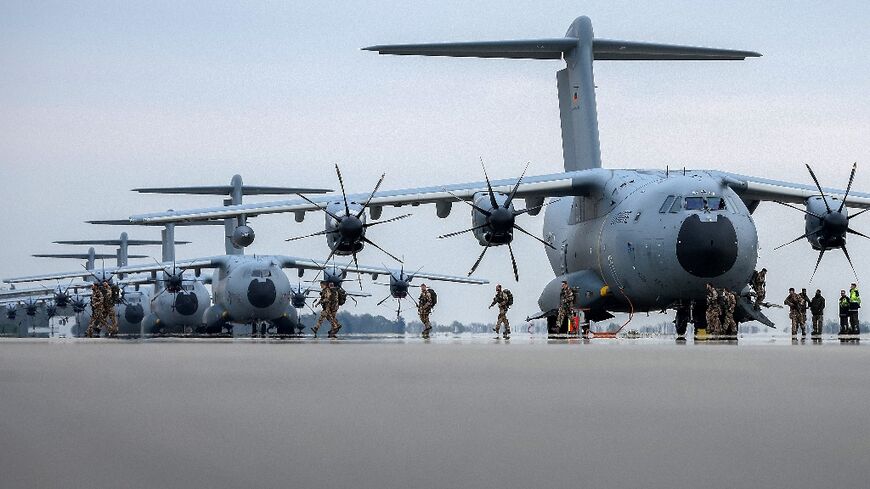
(496, 228)
(399, 285)
(828, 231)
(11, 311)
(345, 235)
(243, 236)
(214, 319)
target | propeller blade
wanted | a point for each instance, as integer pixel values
(319, 233)
(489, 186)
(821, 254)
(366, 240)
(366, 204)
(819, 187)
(530, 209)
(848, 187)
(315, 204)
(798, 209)
(385, 299)
(514, 263)
(798, 238)
(358, 275)
(859, 213)
(510, 198)
(479, 258)
(478, 209)
(449, 235)
(532, 235)
(412, 300)
(325, 264)
(343, 193)
(849, 258)
(370, 224)
(852, 231)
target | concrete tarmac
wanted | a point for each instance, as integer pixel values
(448, 414)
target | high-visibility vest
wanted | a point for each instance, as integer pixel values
(854, 297)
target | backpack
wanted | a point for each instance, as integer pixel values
(510, 297)
(342, 296)
(434, 297)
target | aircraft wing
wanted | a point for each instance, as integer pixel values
(83, 274)
(33, 291)
(762, 189)
(309, 264)
(533, 187)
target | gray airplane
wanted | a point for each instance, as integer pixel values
(625, 240)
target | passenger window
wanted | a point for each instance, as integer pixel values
(667, 205)
(677, 204)
(694, 203)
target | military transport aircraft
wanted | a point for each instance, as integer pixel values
(626, 240)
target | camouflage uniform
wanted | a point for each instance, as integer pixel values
(97, 321)
(758, 284)
(111, 296)
(817, 308)
(327, 296)
(729, 325)
(796, 312)
(501, 298)
(333, 310)
(566, 306)
(714, 311)
(424, 308)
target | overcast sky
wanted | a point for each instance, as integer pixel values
(99, 98)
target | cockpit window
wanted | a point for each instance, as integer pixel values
(667, 205)
(716, 203)
(678, 202)
(261, 273)
(694, 203)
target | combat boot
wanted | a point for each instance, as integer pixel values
(314, 330)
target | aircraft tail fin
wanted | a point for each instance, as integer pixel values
(576, 85)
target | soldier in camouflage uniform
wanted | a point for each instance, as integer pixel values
(325, 302)
(424, 308)
(333, 310)
(714, 312)
(758, 285)
(96, 322)
(502, 298)
(817, 308)
(111, 296)
(729, 326)
(566, 305)
(796, 311)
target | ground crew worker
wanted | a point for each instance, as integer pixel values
(795, 305)
(844, 312)
(758, 285)
(714, 311)
(111, 296)
(854, 305)
(96, 322)
(566, 304)
(504, 300)
(806, 299)
(325, 301)
(729, 326)
(817, 308)
(335, 303)
(424, 308)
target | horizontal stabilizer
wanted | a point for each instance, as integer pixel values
(126, 222)
(116, 242)
(228, 190)
(84, 256)
(602, 49)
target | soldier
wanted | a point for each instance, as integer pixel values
(96, 322)
(854, 305)
(758, 285)
(111, 296)
(714, 311)
(795, 305)
(729, 325)
(425, 303)
(806, 299)
(505, 300)
(817, 308)
(325, 301)
(844, 312)
(337, 298)
(566, 304)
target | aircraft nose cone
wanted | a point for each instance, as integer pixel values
(186, 304)
(262, 294)
(134, 314)
(707, 249)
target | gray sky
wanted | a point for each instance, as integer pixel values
(99, 98)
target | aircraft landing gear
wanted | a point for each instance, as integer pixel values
(681, 321)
